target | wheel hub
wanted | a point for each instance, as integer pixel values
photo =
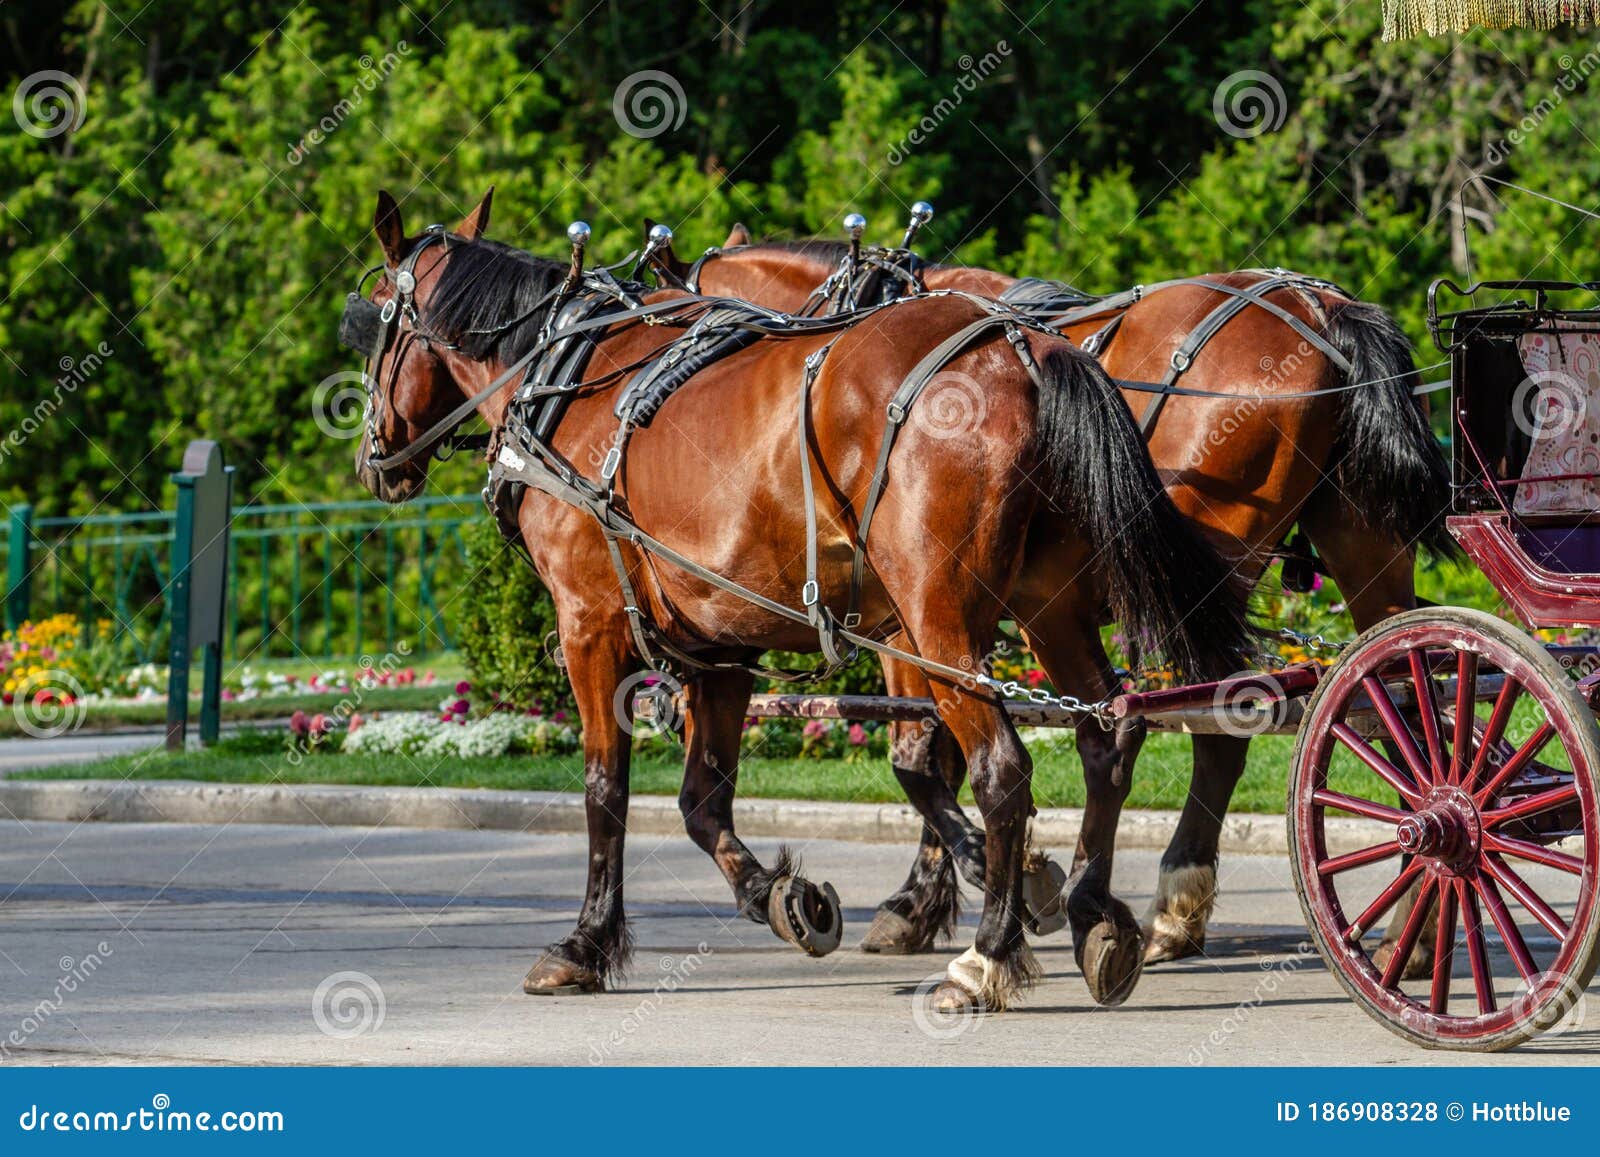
(1444, 830)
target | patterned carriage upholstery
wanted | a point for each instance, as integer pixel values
(1563, 367)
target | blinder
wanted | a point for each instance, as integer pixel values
(364, 327)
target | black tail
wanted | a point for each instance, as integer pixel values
(1170, 590)
(1386, 459)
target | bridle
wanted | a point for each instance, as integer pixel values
(370, 329)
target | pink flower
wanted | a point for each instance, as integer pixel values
(560, 717)
(858, 735)
(447, 717)
(319, 724)
(461, 707)
(463, 687)
(299, 725)
(814, 729)
(228, 696)
(355, 722)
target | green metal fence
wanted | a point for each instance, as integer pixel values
(323, 580)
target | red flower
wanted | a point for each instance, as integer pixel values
(299, 724)
(858, 735)
(461, 707)
(463, 687)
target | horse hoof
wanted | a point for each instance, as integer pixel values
(1418, 967)
(1168, 940)
(1043, 895)
(892, 934)
(553, 976)
(951, 999)
(805, 915)
(1111, 956)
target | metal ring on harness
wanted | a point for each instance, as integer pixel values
(1181, 361)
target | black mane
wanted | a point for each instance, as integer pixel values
(485, 285)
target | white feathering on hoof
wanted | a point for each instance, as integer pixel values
(994, 984)
(1184, 901)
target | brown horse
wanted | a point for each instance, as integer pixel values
(1358, 470)
(1050, 471)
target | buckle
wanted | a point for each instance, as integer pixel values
(852, 620)
(390, 308)
(613, 460)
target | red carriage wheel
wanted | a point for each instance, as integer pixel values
(1481, 816)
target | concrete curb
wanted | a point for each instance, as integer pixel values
(183, 801)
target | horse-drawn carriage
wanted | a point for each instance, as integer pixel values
(1406, 804)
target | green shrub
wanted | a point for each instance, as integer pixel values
(508, 625)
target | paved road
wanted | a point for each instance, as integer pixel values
(216, 940)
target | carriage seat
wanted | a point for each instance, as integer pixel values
(1564, 368)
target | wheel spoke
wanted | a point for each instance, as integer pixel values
(1444, 950)
(1531, 806)
(1537, 853)
(1477, 947)
(1517, 764)
(1395, 724)
(1409, 934)
(1496, 727)
(1386, 900)
(1374, 759)
(1344, 863)
(1510, 934)
(1526, 896)
(1371, 809)
(1466, 715)
(1428, 709)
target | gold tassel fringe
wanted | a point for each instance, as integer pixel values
(1403, 19)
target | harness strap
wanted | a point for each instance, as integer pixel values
(817, 612)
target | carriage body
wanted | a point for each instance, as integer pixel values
(1525, 415)
(1463, 749)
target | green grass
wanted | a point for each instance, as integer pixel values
(1161, 779)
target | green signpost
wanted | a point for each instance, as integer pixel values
(199, 588)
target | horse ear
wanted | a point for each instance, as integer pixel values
(476, 223)
(386, 224)
(737, 236)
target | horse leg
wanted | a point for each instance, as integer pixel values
(597, 951)
(1377, 577)
(1107, 939)
(796, 910)
(1186, 891)
(930, 769)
